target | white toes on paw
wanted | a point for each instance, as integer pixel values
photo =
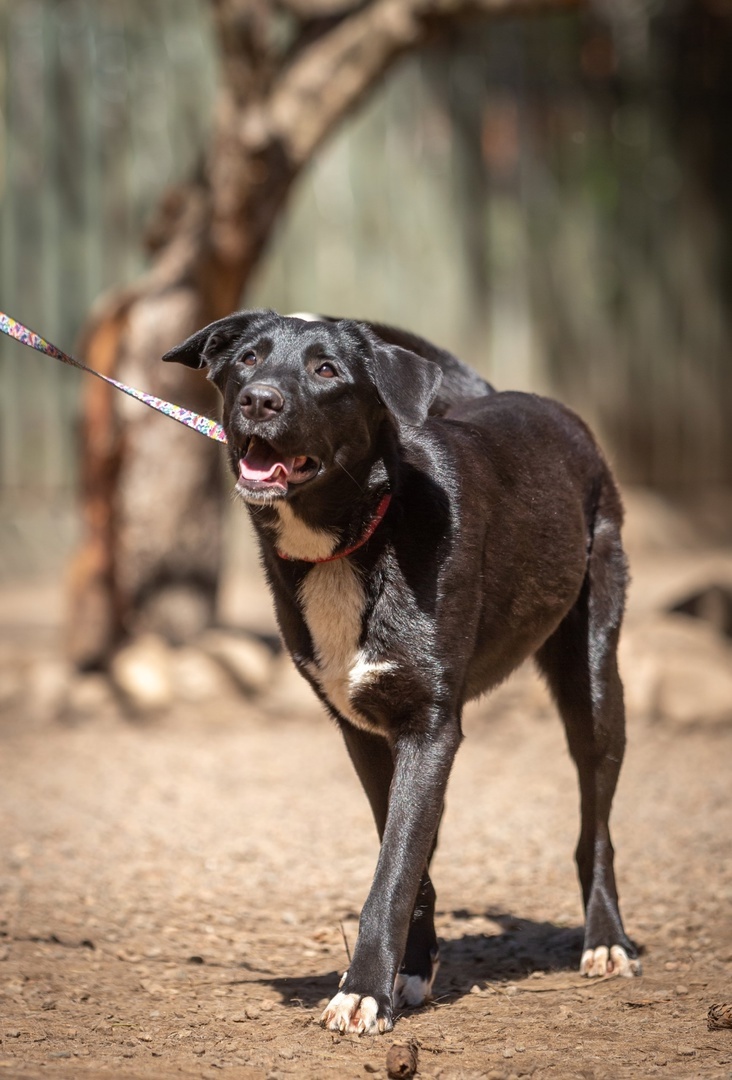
(622, 964)
(411, 991)
(602, 962)
(594, 962)
(353, 1013)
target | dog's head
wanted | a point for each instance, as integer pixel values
(305, 400)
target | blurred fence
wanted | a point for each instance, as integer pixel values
(102, 103)
(499, 194)
(554, 223)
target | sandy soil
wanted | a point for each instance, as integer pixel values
(176, 897)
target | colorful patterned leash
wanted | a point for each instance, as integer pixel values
(193, 420)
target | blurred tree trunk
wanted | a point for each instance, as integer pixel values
(151, 490)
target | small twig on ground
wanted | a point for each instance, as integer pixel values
(345, 942)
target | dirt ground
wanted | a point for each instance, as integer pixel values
(177, 893)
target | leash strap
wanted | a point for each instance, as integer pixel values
(201, 424)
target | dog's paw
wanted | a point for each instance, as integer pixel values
(602, 962)
(410, 991)
(356, 1014)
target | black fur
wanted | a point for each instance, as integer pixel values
(502, 541)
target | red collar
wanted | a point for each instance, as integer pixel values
(366, 535)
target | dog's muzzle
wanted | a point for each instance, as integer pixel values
(260, 402)
(263, 468)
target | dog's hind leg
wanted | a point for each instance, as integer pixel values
(372, 759)
(413, 984)
(580, 664)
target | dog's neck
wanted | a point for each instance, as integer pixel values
(337, 518)
(334, 521)
(315, 538)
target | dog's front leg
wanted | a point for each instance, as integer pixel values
(421, 768)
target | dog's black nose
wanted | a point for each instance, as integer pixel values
(261, 402)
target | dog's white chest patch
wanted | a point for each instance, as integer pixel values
(298, 541)
(333, 602)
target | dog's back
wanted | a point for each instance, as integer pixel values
(526, 481)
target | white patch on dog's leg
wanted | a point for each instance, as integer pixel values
(601, 962)
(355, 1014)
(363, 671)
(411, 991)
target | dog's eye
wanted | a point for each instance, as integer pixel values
(326, 371)
(249, 358)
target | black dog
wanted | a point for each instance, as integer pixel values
(423, 535)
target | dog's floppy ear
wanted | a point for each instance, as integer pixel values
(406, 383)
(201, 348)
(191, 352)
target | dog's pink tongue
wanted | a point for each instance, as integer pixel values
(262, 462)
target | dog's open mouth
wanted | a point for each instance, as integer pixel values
(263, 468)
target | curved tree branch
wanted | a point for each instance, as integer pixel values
(291, 71)
(331, 77)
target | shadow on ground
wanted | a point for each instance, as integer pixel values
(523, 947)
